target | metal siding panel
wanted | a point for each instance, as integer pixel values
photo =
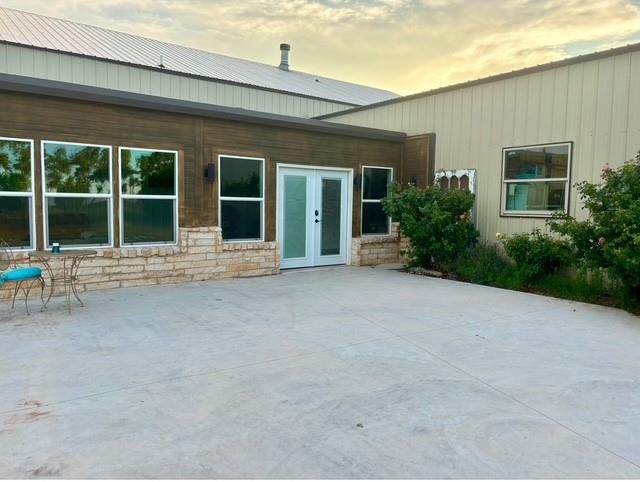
(633, 122)
(584, 168)
(560, 100)
(509, 113)
(483, 153)
(27, 63)
(13, 60)
(572, 131)
(547, 110)
(620, 109)
(459, 150)
(89, 72)
(65, 69)
(520, 116)
(184, 88)
(165, 85)
(466, 119)
(4, 58)
(603, 116)
(489, 175)
(77, 70)
(123, 77)
(101, 74)
(532, 116)
(398, 115)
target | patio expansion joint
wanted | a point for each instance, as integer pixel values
(205, 373)
(241, 366)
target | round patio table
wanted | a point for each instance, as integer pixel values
(71, 259)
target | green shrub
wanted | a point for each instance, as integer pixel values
(610, 238)
(536, 254)
(482, 264)
(579, 287)
(437, 223)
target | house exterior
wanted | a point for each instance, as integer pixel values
(205, 167)
(529, 134)
(167, 190)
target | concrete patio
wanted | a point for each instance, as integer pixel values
(328, 373)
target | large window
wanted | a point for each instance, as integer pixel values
(77, 194)
(16, 192)
(376, 182)
(535, 180)
(241, 184)
(149, 201)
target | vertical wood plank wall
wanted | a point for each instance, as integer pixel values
(417, 162)
(595, 104)
(198, 142)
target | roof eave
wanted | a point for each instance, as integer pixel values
(31, 85)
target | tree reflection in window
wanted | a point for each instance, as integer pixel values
(15, 166)
(76, 168)
(147, 172)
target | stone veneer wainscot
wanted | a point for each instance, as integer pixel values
(371, 250)
(199, 255)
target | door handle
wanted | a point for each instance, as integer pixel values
(318, 220)
(317, 212)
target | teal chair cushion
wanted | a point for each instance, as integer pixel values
(20, 274)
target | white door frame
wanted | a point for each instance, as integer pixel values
(349, 221)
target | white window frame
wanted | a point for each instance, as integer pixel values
(378, 201)
(45, 195)
(173, 197)
(505, 182)
(231, 198)
(31, 195)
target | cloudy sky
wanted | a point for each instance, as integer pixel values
(401, 45)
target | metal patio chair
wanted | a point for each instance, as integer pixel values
(23, 278)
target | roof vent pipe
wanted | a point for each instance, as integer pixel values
(284, 57)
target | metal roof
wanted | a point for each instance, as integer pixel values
(53, 34)
(493, 78)
(66, 90)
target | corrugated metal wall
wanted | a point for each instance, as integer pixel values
(595, 104)
(68, 68)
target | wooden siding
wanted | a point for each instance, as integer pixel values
(594, 104)
(62, 67)
(198, 141)
(417, 162)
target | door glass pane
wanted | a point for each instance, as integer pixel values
(78, 221)
(295, 216)
(374, 219)
(16, 221)
(536, 196)
(241, 220)
(330, 217)
(148, 221)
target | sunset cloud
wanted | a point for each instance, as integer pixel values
(401, 45)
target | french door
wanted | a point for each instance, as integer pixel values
(312, 217)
